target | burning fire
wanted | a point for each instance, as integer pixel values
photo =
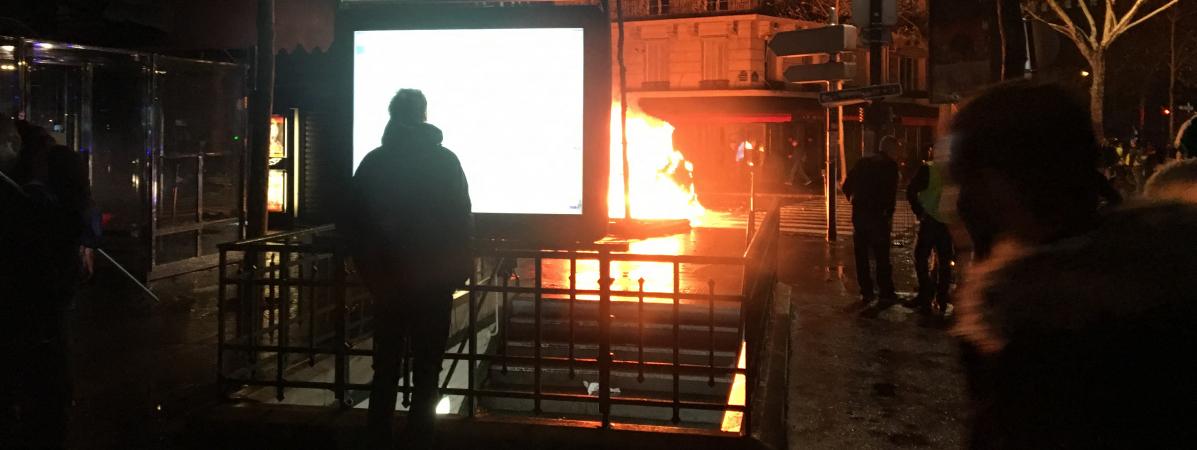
(660, 181)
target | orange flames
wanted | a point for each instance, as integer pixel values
(659, 181)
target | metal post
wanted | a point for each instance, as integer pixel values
(640, 328)
(472, 338)
(876, 32)
(536, 352)
(677, 289)
(341, 359)
(831, 178)
(506, 318)
(573, 297)
(604, 320)
(220, 299)
(283, 300)
(711, 333)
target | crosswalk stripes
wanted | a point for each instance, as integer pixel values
(809, 218)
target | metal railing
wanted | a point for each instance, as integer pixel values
(295, 294)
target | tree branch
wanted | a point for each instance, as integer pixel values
(1124, 27)
(1110, 21)
(1093, 31)
(1082, 44)
(1054, 5)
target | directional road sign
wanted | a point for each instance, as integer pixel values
(814, 41)
(820, 73)
(858, 95)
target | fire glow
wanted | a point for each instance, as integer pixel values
(660, 178)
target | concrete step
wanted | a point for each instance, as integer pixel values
(725, 313)
(622, 352)
(726, 339)
(657, 382)
(590, 410)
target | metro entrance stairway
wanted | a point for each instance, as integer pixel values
(682, 351)
(642, 344)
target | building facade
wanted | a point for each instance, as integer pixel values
(705, 66)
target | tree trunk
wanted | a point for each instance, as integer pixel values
(1097, 92)
(261, 103)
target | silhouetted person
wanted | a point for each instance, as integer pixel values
(1078, 329)
(925, 194)
(872, 187)
(409, 228)
(44, 222)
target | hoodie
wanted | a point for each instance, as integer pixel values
(407, 218)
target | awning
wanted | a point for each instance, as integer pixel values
(767, 109)
(731, 109)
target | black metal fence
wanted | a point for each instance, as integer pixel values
(292, 299)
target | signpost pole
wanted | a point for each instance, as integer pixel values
(876, 31)
(832, 144)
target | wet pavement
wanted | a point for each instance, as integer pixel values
(136, 363)
(865, 377)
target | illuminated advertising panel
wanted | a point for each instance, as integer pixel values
(522, 96)
(511, 111)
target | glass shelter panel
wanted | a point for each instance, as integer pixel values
(199, 169)
(10, 91)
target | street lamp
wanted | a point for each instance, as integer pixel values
(1084, 73)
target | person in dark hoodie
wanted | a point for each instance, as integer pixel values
(408, 225)
(1078, 330)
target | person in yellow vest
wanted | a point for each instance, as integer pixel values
(923, 193)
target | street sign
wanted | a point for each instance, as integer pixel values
(860, 13)
(814, 41)
(820, 73)
(858, 95)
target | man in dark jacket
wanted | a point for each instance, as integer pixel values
(1078, 330)
(872, 187)
(409, 229)
(924, 194)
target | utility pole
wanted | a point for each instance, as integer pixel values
(261, 103)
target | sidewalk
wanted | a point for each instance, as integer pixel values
(136, 363)
(864, 378)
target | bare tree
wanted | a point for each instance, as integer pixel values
(1092, 37)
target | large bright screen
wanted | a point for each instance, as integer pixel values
(509, 102)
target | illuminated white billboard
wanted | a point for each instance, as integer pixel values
(508, 100)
